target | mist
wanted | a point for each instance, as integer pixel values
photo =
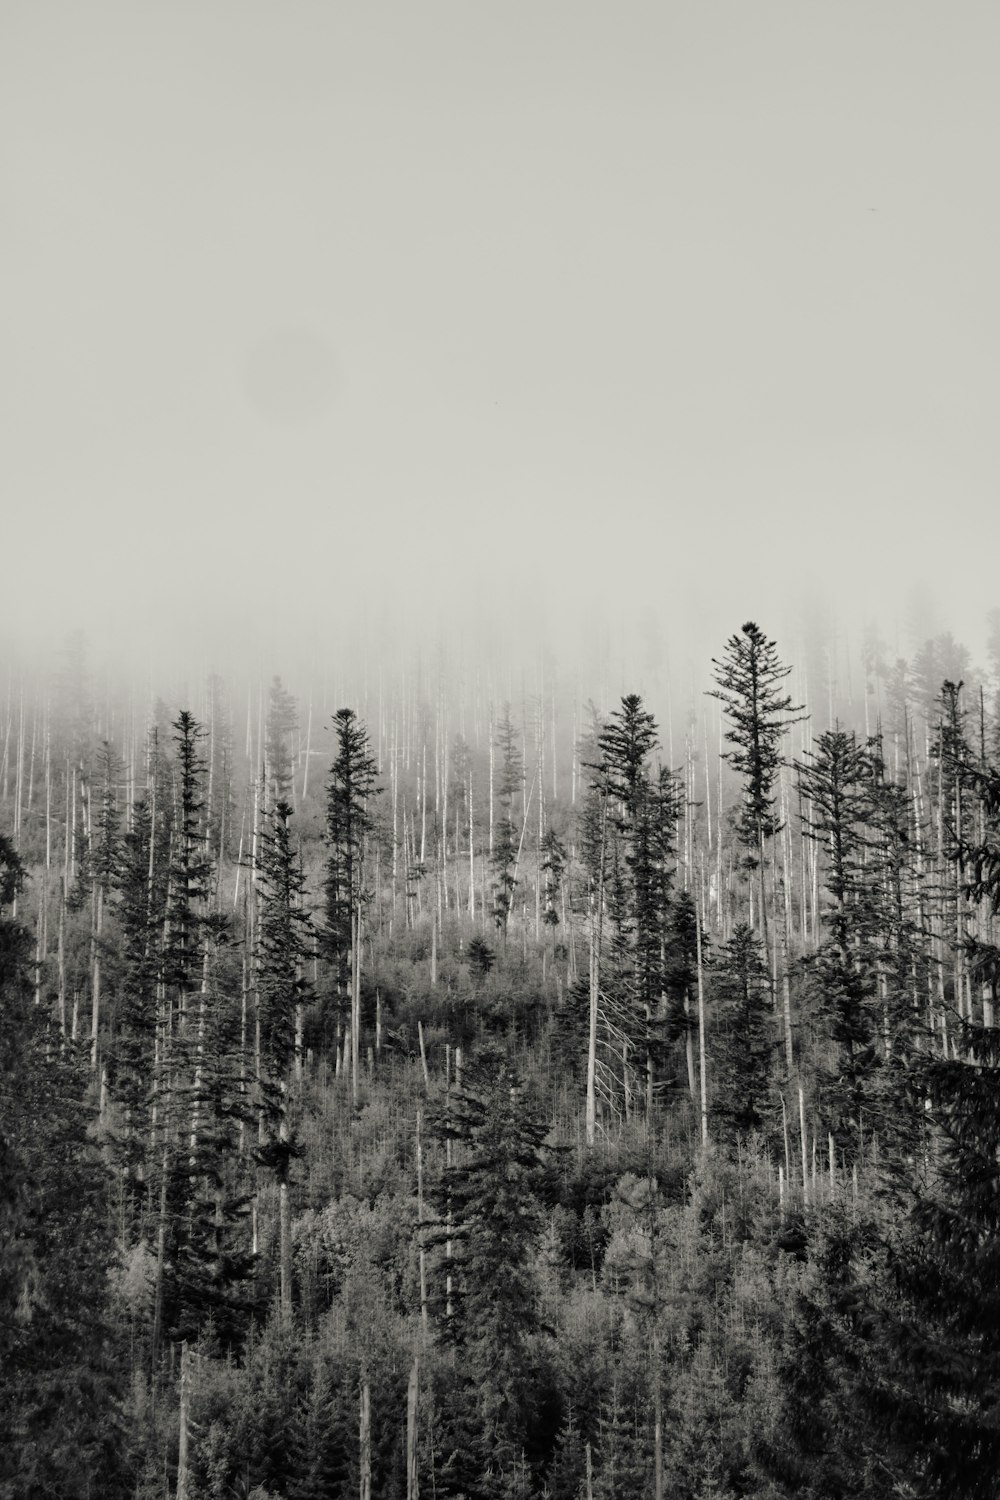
(517, 328)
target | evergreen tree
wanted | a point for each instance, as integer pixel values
(105, 856)
(639, 822)
(842, 975)
(283, 946)
(505, 838)
(679, 978)
(319, 1442)
(202, 1257)
(749, 678)
(488, 1207)
(553, 864)
(219, 794)
(60, 1390)
(745, 1043)
(131, 1052)
(348, 824)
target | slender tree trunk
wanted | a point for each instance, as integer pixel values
(355, 1008)
(490, 844)
(61, 959)
(657, 1420)
(805, 1151)
(284, 1220)
(365, 1435)
(423, 1056)
(95, 998)
(689, 1048)
(161, 1257)
(595, 986)
(420, 1221)
(412, 1396)
(701, 1032)
(472, 856)
(185, 1417)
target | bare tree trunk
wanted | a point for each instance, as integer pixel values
(185, 1416)
(472, 855)
(284, 1220)
(420, 1221)
(48, 798)
(161, 1256)
(355, 1007)
(423, 802)
(95, 991)
(305, 768)
(412, 1395)
(701, 1033)
(657, 1421)
(595, 987)
(423, 1055)
(62, 960)
(490, 844)
(366, 1441)
(805, 1151)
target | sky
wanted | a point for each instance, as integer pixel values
(499, 319)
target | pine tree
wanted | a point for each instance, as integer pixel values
(60, 1386)
(283, 946)
(349, 824)
(760, 714)
(553, 865)
(203, 1260)
(105, 857)
(131, 1052)
(745, 1044)
(318, 1440)
(488, 1208)
(505, 839)
(679, 978)
(842, 976)
(639, 819)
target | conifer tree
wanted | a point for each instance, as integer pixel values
(104, 863)
(553, 865)
(760, 714)
(349, 823)
(202, 1256)
(488, 1206)
(132, 1049)
(505, 839)
(61, 1431)
(745, 1043)
(679, 977)
(639, 819)
(836, 785)
(284, 942)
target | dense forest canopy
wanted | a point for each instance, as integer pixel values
(448, 1084)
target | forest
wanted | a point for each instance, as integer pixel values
(449, 1086)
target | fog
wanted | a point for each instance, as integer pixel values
(513, 326)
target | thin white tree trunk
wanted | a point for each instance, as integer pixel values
(701, 1032)
(412, 1396)
(185, 1404)
(365, 1441)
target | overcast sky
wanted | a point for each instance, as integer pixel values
(309, 308)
